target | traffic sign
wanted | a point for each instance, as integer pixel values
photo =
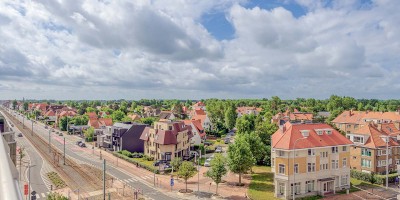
(172, 182)
(26, 189)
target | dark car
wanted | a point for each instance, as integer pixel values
(46, 127)
(19, 134)
(78, 143)
(82, 144)
(227, 141)
(167, 166)
(60, 134)
(207, 143)
(156, 163)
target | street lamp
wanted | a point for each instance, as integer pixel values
(294, 173)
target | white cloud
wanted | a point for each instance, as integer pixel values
(159, 49)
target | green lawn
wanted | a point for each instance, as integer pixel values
(262, 183)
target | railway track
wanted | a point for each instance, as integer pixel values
(75, 176)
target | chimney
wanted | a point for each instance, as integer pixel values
(397, 124)
(351, 112)
(379, 126)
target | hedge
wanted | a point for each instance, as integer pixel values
(131, 160)
(372, 178)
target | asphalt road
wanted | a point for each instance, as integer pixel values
(57, 141)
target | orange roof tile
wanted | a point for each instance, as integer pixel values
(286, 139)
(375, 140)
(359, 117)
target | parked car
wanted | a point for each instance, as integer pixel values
(194, 153)
(78, 142)
(207, 163)
(207, 143)
(46, 127)
(137, 155)
(53, 130)
(227, 141)
(186, 158)
(82, 144)
(218, 150)
(60, 134)
(19, 134)
(156, 163)
(167, 166)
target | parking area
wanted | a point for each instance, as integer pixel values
(367, 193)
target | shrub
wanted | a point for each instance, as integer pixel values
(126, 153)
(372, 178)
(218, 140)
(140, 164)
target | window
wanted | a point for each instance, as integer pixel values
(281, 188)
(281, 169)
(344, 148)
(272, 161)
(311, 152)
(281, 153)
(344, 162)
(319, 132)
(382, 163)
(358, 139)
(397, 162)
(323, 166)
(334, 149)
(324, 154)
(335, 164)
(296, 168)
(345, 179)
(297, 188)
(310, 186)
(311, 167)
(328, 132)
(348, 126)
(366, 163)
(382, 152)
(365, 152)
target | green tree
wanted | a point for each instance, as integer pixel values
(230, 117)
(240, 158)
(148, 120)
(55, 196)
(258, 148)
(26, 106)
(14, 104)
(90, 109)
(89, 133)
(117, 116)
(176, 162)
(245, 124)
(186, 171)
(177, 109)
(62, 124)
(218, 169)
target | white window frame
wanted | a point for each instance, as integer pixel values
(344, 162)
(335, 149)
(311, 152)
(281, 166)
(296, 168)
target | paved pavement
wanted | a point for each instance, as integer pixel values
(85, 156)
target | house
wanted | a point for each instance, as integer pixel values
(124, 136)
(99, 123)
(349, 121)
(199, 105)
(51, 115)
(369, 151)
(201, 115)
(197, 129)
(295, 116)
(149, 111)
(247, 111)
(92, 115)
(168, 115)
(134, 117)
(309, 159)
(167, 140)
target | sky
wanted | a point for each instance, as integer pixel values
(190, 49)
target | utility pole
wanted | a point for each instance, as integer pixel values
(198, 178)
(64, 150)
(29, 181)
(104, 179)
(49, 141)
(23, 121)
(387, 161)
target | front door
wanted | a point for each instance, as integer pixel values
(327, 186)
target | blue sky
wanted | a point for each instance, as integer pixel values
(199, 49)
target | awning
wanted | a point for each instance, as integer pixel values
(326, 179)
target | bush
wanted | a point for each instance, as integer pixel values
(126, 153)
(218, 140)
(131, 160)
(372, 178)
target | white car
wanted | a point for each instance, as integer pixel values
(207, 163)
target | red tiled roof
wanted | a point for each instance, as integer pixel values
(50, 113)
(375, 132)
(166, 137)
(359, 117)
(67, 113)
(97, 123)
(92, 115)
(286, 139)
(199, 104)
(199, 112)
(197, 124)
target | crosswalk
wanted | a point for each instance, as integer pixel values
(135, 179)
(42, 195)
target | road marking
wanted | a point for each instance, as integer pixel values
(43, 195)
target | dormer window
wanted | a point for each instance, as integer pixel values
(319, 132)
(358, 139)
(328, 132)
(305, 133)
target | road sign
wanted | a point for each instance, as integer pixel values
(172, 182)
(26, 189)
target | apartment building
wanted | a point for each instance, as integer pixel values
(371, 142)
(167, 140)
(309, 159)
(349, 121)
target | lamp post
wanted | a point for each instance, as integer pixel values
(294, 173)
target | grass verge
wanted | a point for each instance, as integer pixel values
(262, 183)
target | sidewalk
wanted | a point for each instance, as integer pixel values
(162, 182)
